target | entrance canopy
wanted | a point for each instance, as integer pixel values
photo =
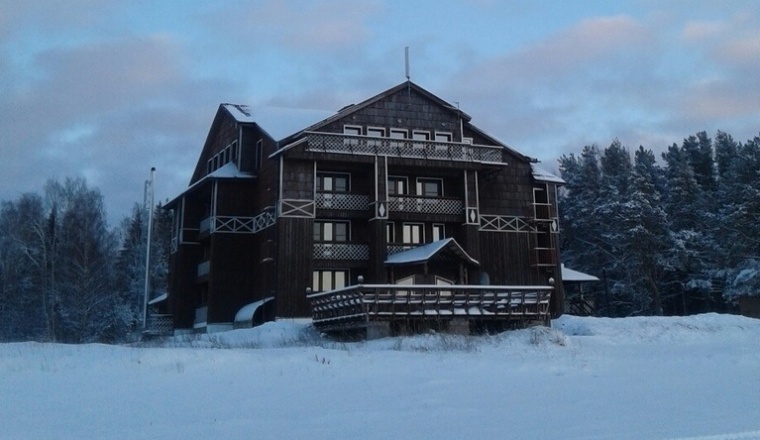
(424, 253)
(245, 317)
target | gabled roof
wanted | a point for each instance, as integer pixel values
(425, 252)
(407, 85)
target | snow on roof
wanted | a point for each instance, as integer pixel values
(247, 311)
(226, 171)
(426, 252)
(542, 175)
(278, 122)
(576, 276)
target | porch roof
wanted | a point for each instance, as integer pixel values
(425, 252)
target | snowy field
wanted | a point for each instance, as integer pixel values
(586, 378)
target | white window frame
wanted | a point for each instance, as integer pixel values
(420, 185)
(375, 142)
(442, 228)
(390, 232)
(420, 135)
(401, 134)
(328, 231)
(396, 179)
(349, 130)
(410, 227)
(321, 175)
(318, 279)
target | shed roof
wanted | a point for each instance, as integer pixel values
(542, 175)
(575, 276)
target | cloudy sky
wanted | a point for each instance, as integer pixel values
(107, 89)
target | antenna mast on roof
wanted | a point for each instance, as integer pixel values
(406, 61)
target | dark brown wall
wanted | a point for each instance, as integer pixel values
(294, 266)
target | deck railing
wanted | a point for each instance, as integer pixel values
(356, 305)
(340, 251)
(346, 202)
(406, 148)
(159, 325)
(426, 205)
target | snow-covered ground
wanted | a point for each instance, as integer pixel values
(586, 378)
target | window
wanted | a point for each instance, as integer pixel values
(428, 187)
(331, 231)
(397, 185)
(351, 130)
(375, 132)
(397, 133)
(412, 233)
(323, 280)
(390, 232)
(442, 137)
(439, 231)
(258, 155)
(210, 167)
(420, 136)
(335, 182)
(234, 152)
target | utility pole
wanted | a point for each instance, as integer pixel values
(148, 202)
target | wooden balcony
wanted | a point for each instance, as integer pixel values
(342, 201)
(404, 148)
(341, 251)
(355, 306)
(426, 205)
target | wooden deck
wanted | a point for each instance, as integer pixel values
(354, 307)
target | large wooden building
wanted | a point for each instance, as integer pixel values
(290, 214)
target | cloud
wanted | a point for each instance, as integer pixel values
(327, 26)
(107, 111)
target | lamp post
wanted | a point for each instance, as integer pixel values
(149, 203)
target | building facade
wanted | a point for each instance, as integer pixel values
(281, 205)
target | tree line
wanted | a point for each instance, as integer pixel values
(678, 238)
(65, 276)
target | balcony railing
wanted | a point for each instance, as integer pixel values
(425, 205)
(159, 325)
(347, 202)
(354, 306)
(238, 224)
(341, 251)
(406, 148)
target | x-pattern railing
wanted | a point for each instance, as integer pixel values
(504, 223)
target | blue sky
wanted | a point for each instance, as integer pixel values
(106, 89)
